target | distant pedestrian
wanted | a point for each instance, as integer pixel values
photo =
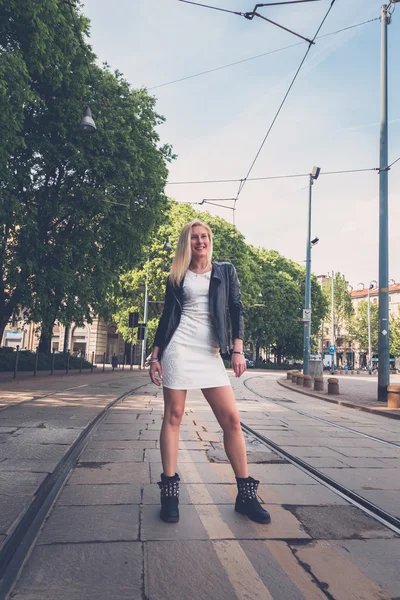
(192, 334)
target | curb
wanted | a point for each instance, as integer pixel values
(346, 403)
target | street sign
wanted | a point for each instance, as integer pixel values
(332, 350)
(306, 314)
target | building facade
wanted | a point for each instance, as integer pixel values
(95, 340)
(348, 351)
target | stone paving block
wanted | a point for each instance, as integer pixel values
(339, 522)
(125, 427)
(121, 444)
(386, 499)
(149, 435)
(299, 494)
(20, 483)
(193, 445)
(12, 508)
(283, 524)
(116, 435)
(375, 450)
(68, 524)
(324, 462)
(83, 572)
(377, 559)
(47, 436)
(86, 495)
(359, 479)
(31, 466)
(170, 573)
(271, 572)
(111, 473)
(20, 450)
(151, 494)
(111, 455)
(316, 452)
(189, 526)
(195, 456)
(325, 562)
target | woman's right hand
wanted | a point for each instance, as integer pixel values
(155, 369)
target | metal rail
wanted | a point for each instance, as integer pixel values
(320, 419)
(377, 513)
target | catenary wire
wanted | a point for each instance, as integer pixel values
(272, 177)
(394, 162)
(238, 62)
(283, 101)
(213, 7)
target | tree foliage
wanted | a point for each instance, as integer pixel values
(75, 209)
(343, 307)
(272, 286)
(358, 326)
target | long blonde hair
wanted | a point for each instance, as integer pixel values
(183, 254)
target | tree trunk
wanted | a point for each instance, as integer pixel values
(279, 356)
(66, 338)
(45, 340)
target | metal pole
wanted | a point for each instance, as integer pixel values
(383, 341)
(16, 364)
(333, 323)
(104, 362)
(322, 340)
(307, 301)
(68, 355)
(146, 314)
(36, 361)
(91, 366)
(369, 331)
(131, 363)
(113, 362)
(80, 368)
(52, 363)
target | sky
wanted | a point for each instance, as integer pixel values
(216, 122)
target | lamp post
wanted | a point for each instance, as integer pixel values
(307, 301)
(167, 246)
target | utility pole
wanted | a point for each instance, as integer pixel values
(369, 331)
(383, 340)
(307, 300)
(333, 322)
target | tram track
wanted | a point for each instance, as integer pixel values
(320, 419)
(379, 514)
(17, 546)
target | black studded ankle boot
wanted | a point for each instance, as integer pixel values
(247, 502)
(169, 495)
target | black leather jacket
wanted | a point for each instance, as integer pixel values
(224, 298)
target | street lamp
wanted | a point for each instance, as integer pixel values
(307, 301)
(87, 125)
(167, 246)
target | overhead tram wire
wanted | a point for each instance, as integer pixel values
(241, 186)
(393, 163)
(238, 62)
(213, 7)
(290, 176)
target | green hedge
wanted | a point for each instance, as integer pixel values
(26, 361)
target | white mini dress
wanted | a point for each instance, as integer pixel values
(192, 361)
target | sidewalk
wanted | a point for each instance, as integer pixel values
(357, 392)
(104, 539)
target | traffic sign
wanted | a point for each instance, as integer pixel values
(306, 314)
(332, 350)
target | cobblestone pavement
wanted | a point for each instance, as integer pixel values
(103, 538)
(359, 391)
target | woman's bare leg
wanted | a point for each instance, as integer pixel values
(223, 404)
(174, 406)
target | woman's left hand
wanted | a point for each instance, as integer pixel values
(238, 364)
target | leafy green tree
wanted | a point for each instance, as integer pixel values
(76, 209)
(394, 339)
(343, 306)
(358, 326)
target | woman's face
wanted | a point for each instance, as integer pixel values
(200, 242)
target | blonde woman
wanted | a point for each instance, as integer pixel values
(192, 334)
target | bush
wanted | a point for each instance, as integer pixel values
(26, 361)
